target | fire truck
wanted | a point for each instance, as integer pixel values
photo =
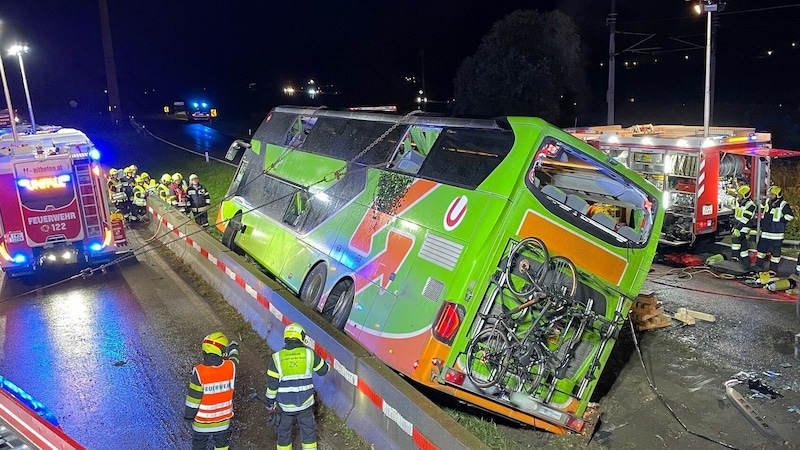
(697, 174)
(53, 203)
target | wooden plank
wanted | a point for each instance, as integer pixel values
(701, 315)
(683, 317)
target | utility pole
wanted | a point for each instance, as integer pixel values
(612, 25)
(111, 71)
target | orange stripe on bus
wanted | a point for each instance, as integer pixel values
(581, 251)
(374, 221)
(387, 262)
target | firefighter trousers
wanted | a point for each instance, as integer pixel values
(221, 440)
(305, 421)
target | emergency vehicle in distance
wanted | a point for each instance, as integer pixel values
(53, 203)
(697, 175)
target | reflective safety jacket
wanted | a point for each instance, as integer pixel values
(210, 396)
(165, 193)
(115, 191)
(776, 215)
(139, 195)
(289, 379)
(745, 214)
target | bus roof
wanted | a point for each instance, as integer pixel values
(415, 118)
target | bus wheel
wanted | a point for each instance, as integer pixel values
(311, 290)
(340, 302)
(229, 236)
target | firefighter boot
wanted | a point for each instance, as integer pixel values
(773, 267)
(748, 266)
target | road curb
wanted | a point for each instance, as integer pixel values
(372, 399)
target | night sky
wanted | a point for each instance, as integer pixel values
(240, 54)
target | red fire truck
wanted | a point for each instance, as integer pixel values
(53, 203)
(697, 174)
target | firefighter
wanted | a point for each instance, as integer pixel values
(290, 388)
(164, 191)
(745, 215)
(199, 200)
(209, 401)
(127, 182)
(132, 171)
(776, 214)
(178, 190)
(149, 184)
(139, 200)
(115, 190)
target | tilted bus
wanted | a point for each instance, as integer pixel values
(398, 230)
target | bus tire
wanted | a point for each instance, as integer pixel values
(229, 236)
(340, 302)
(313, 285)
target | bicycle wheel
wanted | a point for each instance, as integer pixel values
(536, 369)
(487, 358)
(527, 266)
(561, 278)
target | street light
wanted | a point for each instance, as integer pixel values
(708, 6)
(19, 50)
(8, 100)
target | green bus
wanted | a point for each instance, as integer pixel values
(491, 259)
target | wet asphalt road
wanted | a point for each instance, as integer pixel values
(110, 355)
(688, 364)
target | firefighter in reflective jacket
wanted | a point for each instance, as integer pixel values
(199, 200)
(745, 215)
(164, 191)
(115, 190)
(777, 213)
(289, 383)
(139, 199)
(209, 401)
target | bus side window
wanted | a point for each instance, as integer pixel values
(414, 148)
(296, 208)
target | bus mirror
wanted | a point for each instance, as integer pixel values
(234, 149)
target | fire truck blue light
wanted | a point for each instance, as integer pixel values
(94, 154)
(96, 247)
(20, 258)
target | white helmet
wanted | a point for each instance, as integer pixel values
(193, 177)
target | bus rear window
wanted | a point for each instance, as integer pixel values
(465, 157)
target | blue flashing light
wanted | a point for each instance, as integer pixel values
(24, 183)
(94, 154)
(64, 178)
(20, 258)
(205, 105)
(96, 246)
(195, 104)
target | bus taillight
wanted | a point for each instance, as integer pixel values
(447, 322)
(575, 424)
(454, 377)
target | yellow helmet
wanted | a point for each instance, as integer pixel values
(743, 190)
(112, 172)
(133, 167)
(177, 176)
(294, 331)
(215, 344)
(776, 190)
(166, 178)
(127, 170)
(145, 175)
(137, 179)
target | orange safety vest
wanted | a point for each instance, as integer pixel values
(216, 406)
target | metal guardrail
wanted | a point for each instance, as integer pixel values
(372, 399)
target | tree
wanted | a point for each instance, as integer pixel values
(529, 63)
